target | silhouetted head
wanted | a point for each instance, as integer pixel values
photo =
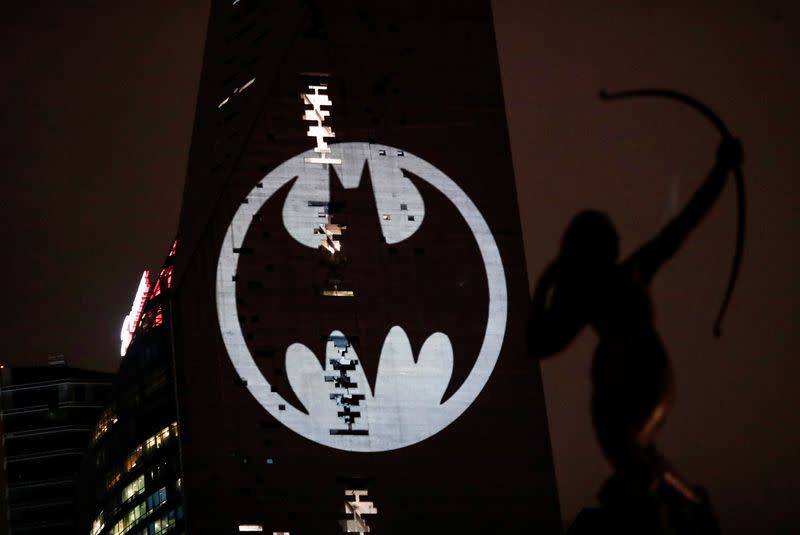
(590, 240)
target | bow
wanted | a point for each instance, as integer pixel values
(740, 197)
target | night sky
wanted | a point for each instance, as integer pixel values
(96, 110)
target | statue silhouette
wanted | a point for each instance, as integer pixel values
(632, 377)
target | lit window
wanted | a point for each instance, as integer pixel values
(357, 507)
(248, 84)
(153, 442)
(133, 489)
(163, 524)
(112, 480)
(107, 419)
(250, 527)
(133, 458)
(317, 114)
(129, 520)
(98, 524)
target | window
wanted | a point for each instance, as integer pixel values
(157, 440)
(163, 524)
(153, 442)
(155, 500)
(248, 84)
(250, 527)
(135, 514)
(129, 520)
(133, 489)
(98, 524)
(133, 458)
(358, 508)
(107, 419)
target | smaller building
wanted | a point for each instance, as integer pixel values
(48, 417)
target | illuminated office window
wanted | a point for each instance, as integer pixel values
(248, 84)
(107, 419)
(129, 520)
(98, 524)
(152, 443)
(358, 508)
(133, 489)
(162, 524)
(135, 514)
(133, 458)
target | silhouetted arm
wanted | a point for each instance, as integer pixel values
(651, 256)
(554, 321)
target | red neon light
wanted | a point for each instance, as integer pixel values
(166, 276)
(167, 273)
(132, 320)
(157, 289)
(174, 248)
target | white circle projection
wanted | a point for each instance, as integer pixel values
(406, 405)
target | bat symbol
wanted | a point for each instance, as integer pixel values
(369, 299)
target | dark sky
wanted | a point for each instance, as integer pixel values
(96, 109)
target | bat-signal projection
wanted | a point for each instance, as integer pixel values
(328, 376)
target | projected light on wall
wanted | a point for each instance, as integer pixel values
(340, 408)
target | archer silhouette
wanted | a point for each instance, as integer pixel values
(632, 377)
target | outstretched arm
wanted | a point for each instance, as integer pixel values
(553, 321)
(651, 256)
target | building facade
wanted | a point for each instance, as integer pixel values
(48, 416)
(130, 479)
(348, 312)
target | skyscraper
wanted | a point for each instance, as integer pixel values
(350, 290)
(130, 479)
(48, 414)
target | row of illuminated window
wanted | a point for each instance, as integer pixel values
(107, 419)
(136, 513)
(164, 523)
(235, 91)
(130, 491)
(152, 443)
